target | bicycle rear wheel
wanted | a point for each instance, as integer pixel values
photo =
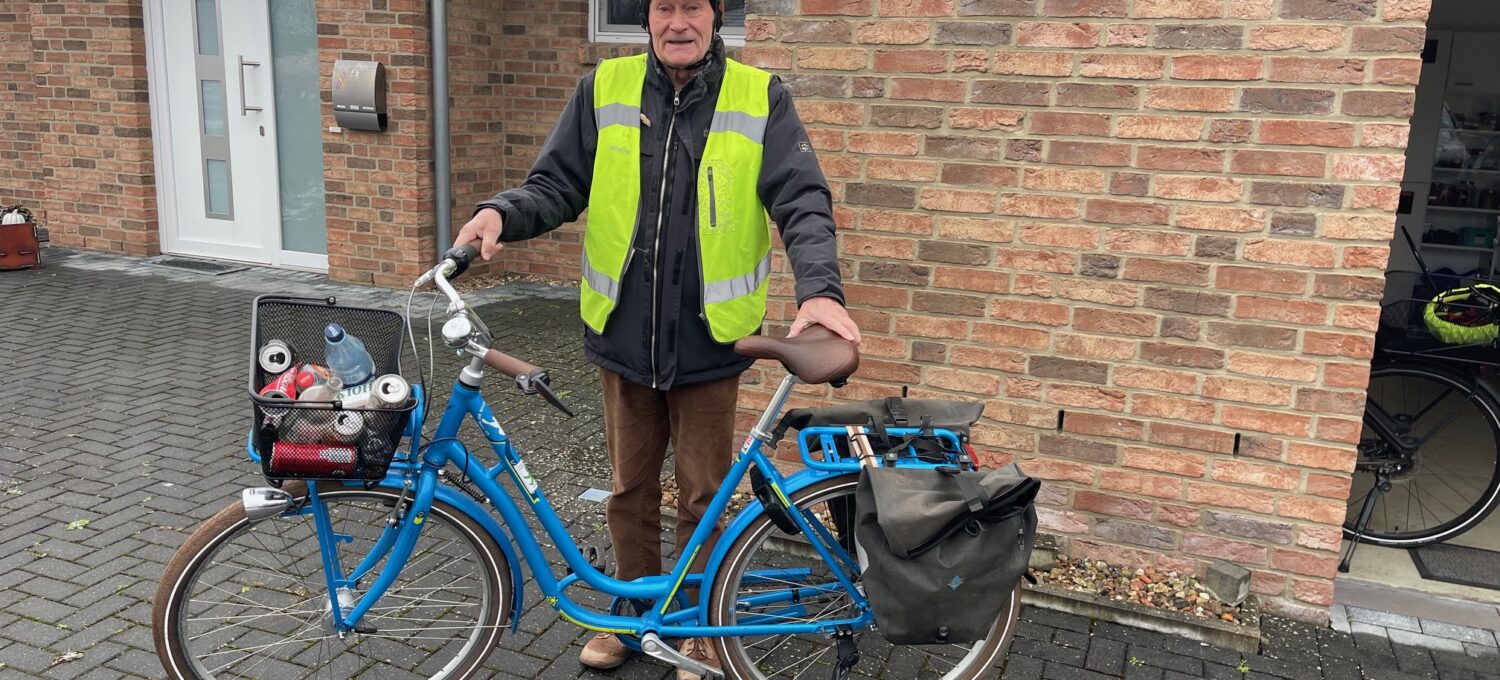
(1452, 482)
(763, 561)
(248, 600)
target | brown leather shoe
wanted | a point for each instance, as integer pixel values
(603, 652)
(700, 650)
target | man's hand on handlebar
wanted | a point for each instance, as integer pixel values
(467, 333)
(485, 226)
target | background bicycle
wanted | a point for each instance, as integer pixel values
(1428, 468)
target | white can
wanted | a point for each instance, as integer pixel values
(347, 426)
(275, 356)
(389, 391)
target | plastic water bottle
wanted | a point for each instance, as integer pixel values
(347, 357)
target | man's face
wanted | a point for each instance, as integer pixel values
(681, 30)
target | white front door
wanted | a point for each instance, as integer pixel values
(214, 99)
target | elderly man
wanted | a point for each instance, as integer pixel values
(678, 154)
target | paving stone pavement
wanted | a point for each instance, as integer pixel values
(124, 426)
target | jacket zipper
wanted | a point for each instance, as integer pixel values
(713, 203)
(661, 213)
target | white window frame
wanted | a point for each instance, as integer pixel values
(734, 36)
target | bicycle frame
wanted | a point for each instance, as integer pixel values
(395, 545)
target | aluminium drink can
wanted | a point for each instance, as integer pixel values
(310, 459)
(275, 356)
(389, 391)
(348, 426)
(284, 386)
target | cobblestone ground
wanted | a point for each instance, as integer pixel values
(124, 426)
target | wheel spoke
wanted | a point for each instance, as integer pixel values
(801, 662)
(752, 587)
(257, 604)
(1450, 478)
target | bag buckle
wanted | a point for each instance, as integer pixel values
(973, 497)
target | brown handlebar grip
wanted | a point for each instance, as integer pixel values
(507, 364)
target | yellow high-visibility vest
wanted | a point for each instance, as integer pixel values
(734, 239)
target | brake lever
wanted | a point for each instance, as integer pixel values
(537, 382)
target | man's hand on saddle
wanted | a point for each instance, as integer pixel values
(826, 312)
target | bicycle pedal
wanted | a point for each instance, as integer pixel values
(652, 645)
(595, 559)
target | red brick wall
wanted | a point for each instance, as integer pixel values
(91, 108)
(543, 48)
(1167, 218)
(20, 150)
(379, 184)
(477, 119)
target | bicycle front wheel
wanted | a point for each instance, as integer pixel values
(1452, 481)
(767, 577)
(249, 600)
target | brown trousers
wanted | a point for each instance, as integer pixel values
(698, 420)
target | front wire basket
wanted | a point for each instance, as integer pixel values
(324, 439)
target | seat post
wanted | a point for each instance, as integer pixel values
(762, 429)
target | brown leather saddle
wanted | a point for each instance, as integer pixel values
(816, 356)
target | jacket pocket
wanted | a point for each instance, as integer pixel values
(715, 198)
(713, 202)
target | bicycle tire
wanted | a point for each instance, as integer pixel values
(183, 654)
(908, 660)
(1400, 516)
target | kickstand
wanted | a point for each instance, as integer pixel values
(1382, 485)
(848, 652)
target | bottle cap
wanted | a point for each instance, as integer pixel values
(333, 332)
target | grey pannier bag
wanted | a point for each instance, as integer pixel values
(940, 550)
(944, 548)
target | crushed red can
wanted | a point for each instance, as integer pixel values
(284, 386)
(309, 459)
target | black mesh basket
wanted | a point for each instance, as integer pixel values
(324, 439)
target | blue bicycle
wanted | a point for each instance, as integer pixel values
(412, 569)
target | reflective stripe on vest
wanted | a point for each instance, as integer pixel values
(612, 213)
(734, 242)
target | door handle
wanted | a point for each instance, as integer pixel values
(245, 109)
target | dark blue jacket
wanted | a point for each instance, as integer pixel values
(656, 336)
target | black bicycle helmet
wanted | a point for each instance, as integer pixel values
(718, 15)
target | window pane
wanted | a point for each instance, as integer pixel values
(218, 187)
(299, 130)
(627, 13)
(213, 107)
(208, 27)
